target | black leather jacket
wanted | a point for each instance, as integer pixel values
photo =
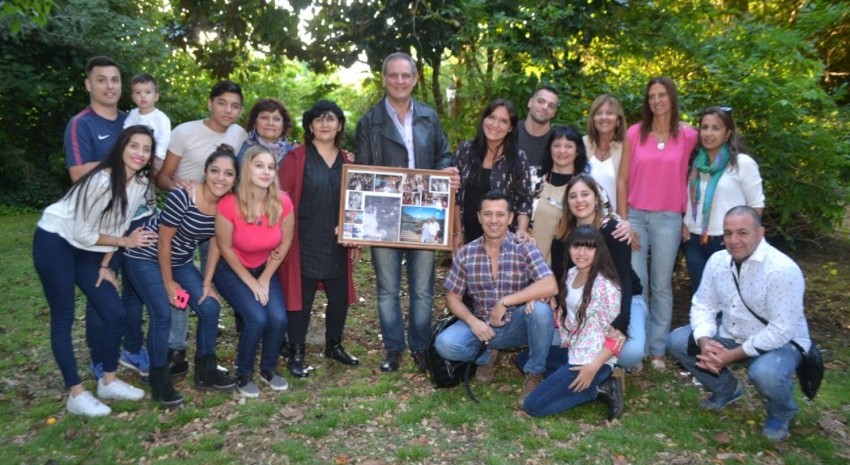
(379, 143)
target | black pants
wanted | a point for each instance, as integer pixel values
(336, 290)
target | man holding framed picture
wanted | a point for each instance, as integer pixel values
(401, 132)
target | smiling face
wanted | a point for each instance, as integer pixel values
(582, 256)
(262, 170)
(659, 100)
(269, 125)
(325, 127)
(495, 217)
(399, 80)
(104, 86)
(497, 125)
(137, 153)
(542, 106)
(564, 153)
(224, 110)
(605, 120)
(713, 133)
(741, 236)
(220, 176)
(581, 201)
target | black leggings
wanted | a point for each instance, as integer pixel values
(336, 290)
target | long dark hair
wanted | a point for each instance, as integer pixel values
(602, 264)
(114, 162)
(572, 135)
(510, 146)
(735, 142)
(646, 114)
(569, 222)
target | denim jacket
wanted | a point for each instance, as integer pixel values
(378, 142)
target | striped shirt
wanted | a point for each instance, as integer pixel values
(192, 226)
(520, 264)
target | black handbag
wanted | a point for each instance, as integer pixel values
(448, 373)
(810, 370)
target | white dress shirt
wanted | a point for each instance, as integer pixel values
(773, 287)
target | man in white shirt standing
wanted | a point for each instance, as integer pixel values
(749, 278)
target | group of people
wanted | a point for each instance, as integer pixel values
(558, 239)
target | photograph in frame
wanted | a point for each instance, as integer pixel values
(396, 207)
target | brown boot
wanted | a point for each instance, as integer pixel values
(484, 373)
(532, 380)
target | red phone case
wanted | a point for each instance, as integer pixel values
(182, 299)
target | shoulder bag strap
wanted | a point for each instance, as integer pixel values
(763, 321)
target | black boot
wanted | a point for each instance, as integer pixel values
(296, 364)
(285, 349)
(610, 392)
(177, 363)
(162, 390)
(334, 350)
(209, 378)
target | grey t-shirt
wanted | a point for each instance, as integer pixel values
(533, 146)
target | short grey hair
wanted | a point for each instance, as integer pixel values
(399, 56)
(745, 210)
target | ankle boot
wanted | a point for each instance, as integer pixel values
(209, 378)
(334, 350)
(162, 390)
(296, 364)
(285, 349)
(177, 363)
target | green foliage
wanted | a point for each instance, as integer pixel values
(16, 13)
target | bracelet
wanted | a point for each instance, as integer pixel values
(455, 234)
(105, 266)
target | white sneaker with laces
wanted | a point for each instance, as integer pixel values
(87, 405)
(118, 390)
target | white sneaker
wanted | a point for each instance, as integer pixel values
(87, 405)
(118, 390)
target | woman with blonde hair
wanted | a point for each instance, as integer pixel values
(253, 230)
(607, 151)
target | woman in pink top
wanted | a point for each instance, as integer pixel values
(253, 230)
(660, 145)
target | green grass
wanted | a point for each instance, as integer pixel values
(350, 415)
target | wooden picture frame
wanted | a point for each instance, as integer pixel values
(396, 207)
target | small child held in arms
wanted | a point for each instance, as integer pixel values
(145, 93)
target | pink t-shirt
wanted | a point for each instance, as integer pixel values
(658, 177)
(253, 243)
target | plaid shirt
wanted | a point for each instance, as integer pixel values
(520, 264)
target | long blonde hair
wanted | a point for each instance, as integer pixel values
(274, 208)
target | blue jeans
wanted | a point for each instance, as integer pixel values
(420, 283)
(771, 373)
(132, 335)
(179, 319)
(61, 267)
(145, 276)
(630, 355)
(634, 349)
(535, 330)
(660, 233)
(554, 394)
(697, 255)
(263, 323)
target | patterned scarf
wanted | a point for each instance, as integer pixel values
(702, 164)
(279, 149)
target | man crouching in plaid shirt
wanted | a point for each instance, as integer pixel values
(508, 282)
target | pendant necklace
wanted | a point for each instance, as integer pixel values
(661, 141)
